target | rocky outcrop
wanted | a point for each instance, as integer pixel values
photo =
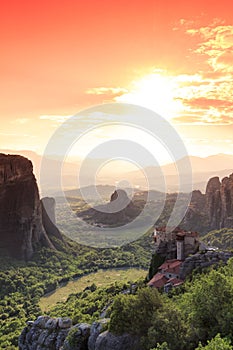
(23, 223)
(202, 260)
(45, 333)
(219, 202)
(109, 341)
(119, 211)
(96, 329)
(78, 337)
(212, 210)
(59, 334)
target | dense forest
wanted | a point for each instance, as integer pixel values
(22, 284)
(197, 314)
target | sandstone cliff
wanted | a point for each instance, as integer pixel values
(23, 222)
(219, 202)
(212, 210)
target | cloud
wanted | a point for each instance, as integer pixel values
(55, 118)
(216, 42)
(206, 103)
(204, 98)
(106, 91)
(197, 119)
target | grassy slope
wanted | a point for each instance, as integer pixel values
(102, 278)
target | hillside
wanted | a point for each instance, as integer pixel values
(222, 239)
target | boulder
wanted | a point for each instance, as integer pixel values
(109, 341)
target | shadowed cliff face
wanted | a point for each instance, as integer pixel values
(21, 224)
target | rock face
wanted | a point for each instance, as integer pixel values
(96, 329)
(196, 217)
(212, 210)
(219, 202)
(48, 218)
(48, 205)
(23, 227)
(109, 341)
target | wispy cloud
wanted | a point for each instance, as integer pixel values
(106, 91)
(55, 118)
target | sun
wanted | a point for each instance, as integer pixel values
(156, 91)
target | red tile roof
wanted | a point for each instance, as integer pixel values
(158, 281)
(172, 266)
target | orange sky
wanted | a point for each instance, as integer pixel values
(58, 57)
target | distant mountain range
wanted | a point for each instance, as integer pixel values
(202, 169)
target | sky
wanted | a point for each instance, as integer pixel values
(59, 57)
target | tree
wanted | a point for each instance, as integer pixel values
(208, 306)
(134, 313)
(162, 346)
(168, 328)
(216, 343)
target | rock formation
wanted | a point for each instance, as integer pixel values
(109, 341)
(202, 260)
(45, 332)
(219, 202)
(59, 334)
(119, 211)
(48, 218)
(23, 223)
(212, 210)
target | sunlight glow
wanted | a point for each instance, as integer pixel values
(155, 91)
